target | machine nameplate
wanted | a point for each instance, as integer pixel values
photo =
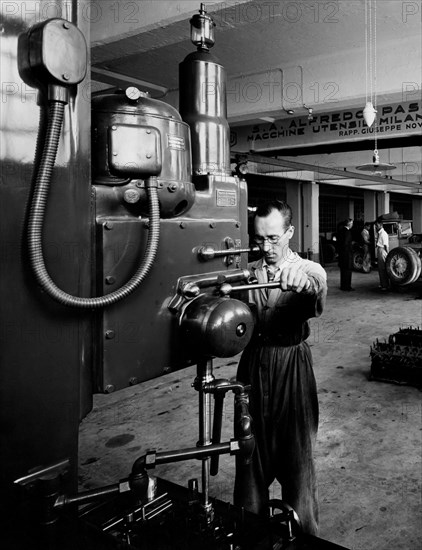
(176, 142)
(226, 197)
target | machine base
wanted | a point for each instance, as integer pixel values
(175, 520)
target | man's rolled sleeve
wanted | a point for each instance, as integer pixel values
(318, 285)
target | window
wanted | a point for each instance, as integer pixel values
(327, 215)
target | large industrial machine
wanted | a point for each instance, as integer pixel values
(114, 279)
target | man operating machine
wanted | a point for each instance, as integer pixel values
(148, 249)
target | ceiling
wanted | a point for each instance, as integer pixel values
(318, 47)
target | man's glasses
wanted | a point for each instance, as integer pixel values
(272, 239)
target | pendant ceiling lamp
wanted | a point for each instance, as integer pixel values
(370, 109)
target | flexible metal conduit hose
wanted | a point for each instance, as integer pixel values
(36, 222)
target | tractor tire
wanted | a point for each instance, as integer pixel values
(358, 262)
(403, 265)
(418, 264)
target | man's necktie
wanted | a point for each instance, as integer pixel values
(271, 277)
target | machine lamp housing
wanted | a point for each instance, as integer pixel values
(202, 30)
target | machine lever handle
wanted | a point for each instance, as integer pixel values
(209, 252)
(227, 288)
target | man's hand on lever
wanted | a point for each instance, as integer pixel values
(294, 278)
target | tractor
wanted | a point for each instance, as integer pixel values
(403, 262)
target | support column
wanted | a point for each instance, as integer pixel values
(310, 197)
(383, 203)
(369, 206)
(417, 215)
(294, 200)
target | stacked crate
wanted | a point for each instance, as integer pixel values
(399, 359)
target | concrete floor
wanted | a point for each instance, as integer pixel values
(369, 442)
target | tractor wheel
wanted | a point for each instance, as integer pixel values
(418, 265)
(359, 263)
(403, 265)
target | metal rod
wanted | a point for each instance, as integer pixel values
(272, 284)
(87, 496)
(205, 483)
(209, 252)
(192, 453)
(216, 430)
(233, 251)
(57, 467)
(226, 288)
(205, 376)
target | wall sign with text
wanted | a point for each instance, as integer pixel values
(395, 120)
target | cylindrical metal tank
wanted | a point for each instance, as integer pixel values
(202, 104)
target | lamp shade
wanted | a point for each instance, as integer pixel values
(369, 114)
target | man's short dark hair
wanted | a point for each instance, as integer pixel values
(265, 210)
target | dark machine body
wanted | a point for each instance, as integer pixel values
(119, 256)
(46, 350)
(191, 216)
